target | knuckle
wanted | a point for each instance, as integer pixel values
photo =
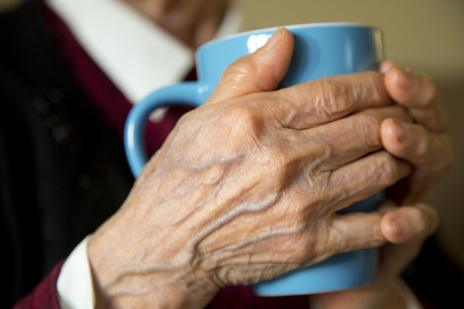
(276, 161)
(305, 249)
(376, 238)
(296, 106)
(387, 169)
(333, 97)
(284, 158)
(282, 164)
(369, 125)
(240, 72)
(336, 241)
(371, 122)
(241, 118)
(373, 88)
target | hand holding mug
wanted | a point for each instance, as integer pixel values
(320, 51)
(245, 189)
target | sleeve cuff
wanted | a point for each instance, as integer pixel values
(75, 285)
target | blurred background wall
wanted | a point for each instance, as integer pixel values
(5, 4)
(425, 35)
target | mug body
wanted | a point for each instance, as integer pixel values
(320, 50)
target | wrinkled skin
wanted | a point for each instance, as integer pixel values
(431, 149)
(427, 145)
(247, 187)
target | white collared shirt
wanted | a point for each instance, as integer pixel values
(133, 52)
(138, 57)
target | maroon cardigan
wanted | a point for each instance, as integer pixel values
(114, 107)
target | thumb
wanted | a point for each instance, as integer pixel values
(259, 71)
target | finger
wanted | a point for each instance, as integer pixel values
(405, 228)
(417, 92)
(314, 103)
(260, 71)
(363, 178)
(433, 118)
(411, 89)
(427, 151)
(394, 258)
(431, 154)
(409, 223)
(353, 137)
(354, 231)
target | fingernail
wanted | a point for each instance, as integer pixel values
(396, 229)
(274, 40)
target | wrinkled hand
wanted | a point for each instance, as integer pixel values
(427, 146)
(425, 143)
(247, 186)
(405, 228)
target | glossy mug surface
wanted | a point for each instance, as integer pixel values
(321, 50)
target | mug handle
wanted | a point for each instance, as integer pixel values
(192, 93)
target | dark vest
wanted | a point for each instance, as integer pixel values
(62, 170)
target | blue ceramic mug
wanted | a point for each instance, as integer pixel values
(321, 50)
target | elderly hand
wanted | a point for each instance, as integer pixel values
(405, 228)
(424, 143)
(248, 186)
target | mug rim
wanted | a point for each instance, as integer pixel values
(289, 27)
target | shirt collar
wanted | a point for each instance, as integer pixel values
(134, 53)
